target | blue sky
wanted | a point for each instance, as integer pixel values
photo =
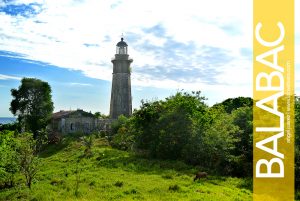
(191, 45)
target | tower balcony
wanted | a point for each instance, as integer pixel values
(121, 57)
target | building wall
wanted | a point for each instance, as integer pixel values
(80, 124)
(77, 124)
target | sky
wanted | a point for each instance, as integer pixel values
(195, 45)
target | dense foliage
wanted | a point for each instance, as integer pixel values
(27, 157)
(166, 128)
(32, 104)
(9, 158)
(183, 127)
(231, 104)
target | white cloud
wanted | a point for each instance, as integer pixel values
(59, 33)
(9, 77)
(80, 84)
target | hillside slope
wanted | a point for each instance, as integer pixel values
(110, 174)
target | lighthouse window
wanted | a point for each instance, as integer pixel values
(121, 50)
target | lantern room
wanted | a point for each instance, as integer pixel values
(121, 47)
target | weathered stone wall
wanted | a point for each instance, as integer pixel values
(77, 124)
(80, 124)
(103, 124)
(121, 100)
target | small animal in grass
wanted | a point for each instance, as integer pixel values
(200, 175)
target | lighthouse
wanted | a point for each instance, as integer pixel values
(121, 100)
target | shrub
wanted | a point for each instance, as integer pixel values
(88, 143)
(168, 176)
(164, 128)
(132, 191)
(174, 187)
(28, 159)
(92, 183)
(118, 124)
(15, 126)
(103, 134)
(54, 137)
(9, 159)
(56, 182)
(119, 183)
(123, 140)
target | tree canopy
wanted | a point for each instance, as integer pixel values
(32, 103)
(231, 104)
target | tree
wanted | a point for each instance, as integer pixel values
(211, 146)
(28, 159)
(231, 104)
(121, 121)
(99, 115)
(124, 139)
(32, 104)
(87, 142)
(164, 127)
(243, 117)
(175, 128)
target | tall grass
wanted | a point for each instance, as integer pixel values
(110, 174)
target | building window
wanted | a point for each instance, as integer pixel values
(71, 126)
(86, 127)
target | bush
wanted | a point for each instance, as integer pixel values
(165, 127)
(182, 127)
(56, 182)
(87, 142)
(17, 154)
(124, 133)
(167, 176)
(54, 137)
(9, 159)
(123, 140)
(28, 159)
(117, 124)
(174, 187)
(92, 183)
(11, 127)
(119, 183)
(132, 191)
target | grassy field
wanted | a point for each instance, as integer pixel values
(111, 174)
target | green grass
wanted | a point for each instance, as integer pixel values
(110, 174)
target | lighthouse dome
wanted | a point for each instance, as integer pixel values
(122, 43)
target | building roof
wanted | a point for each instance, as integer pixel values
(63, 113)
